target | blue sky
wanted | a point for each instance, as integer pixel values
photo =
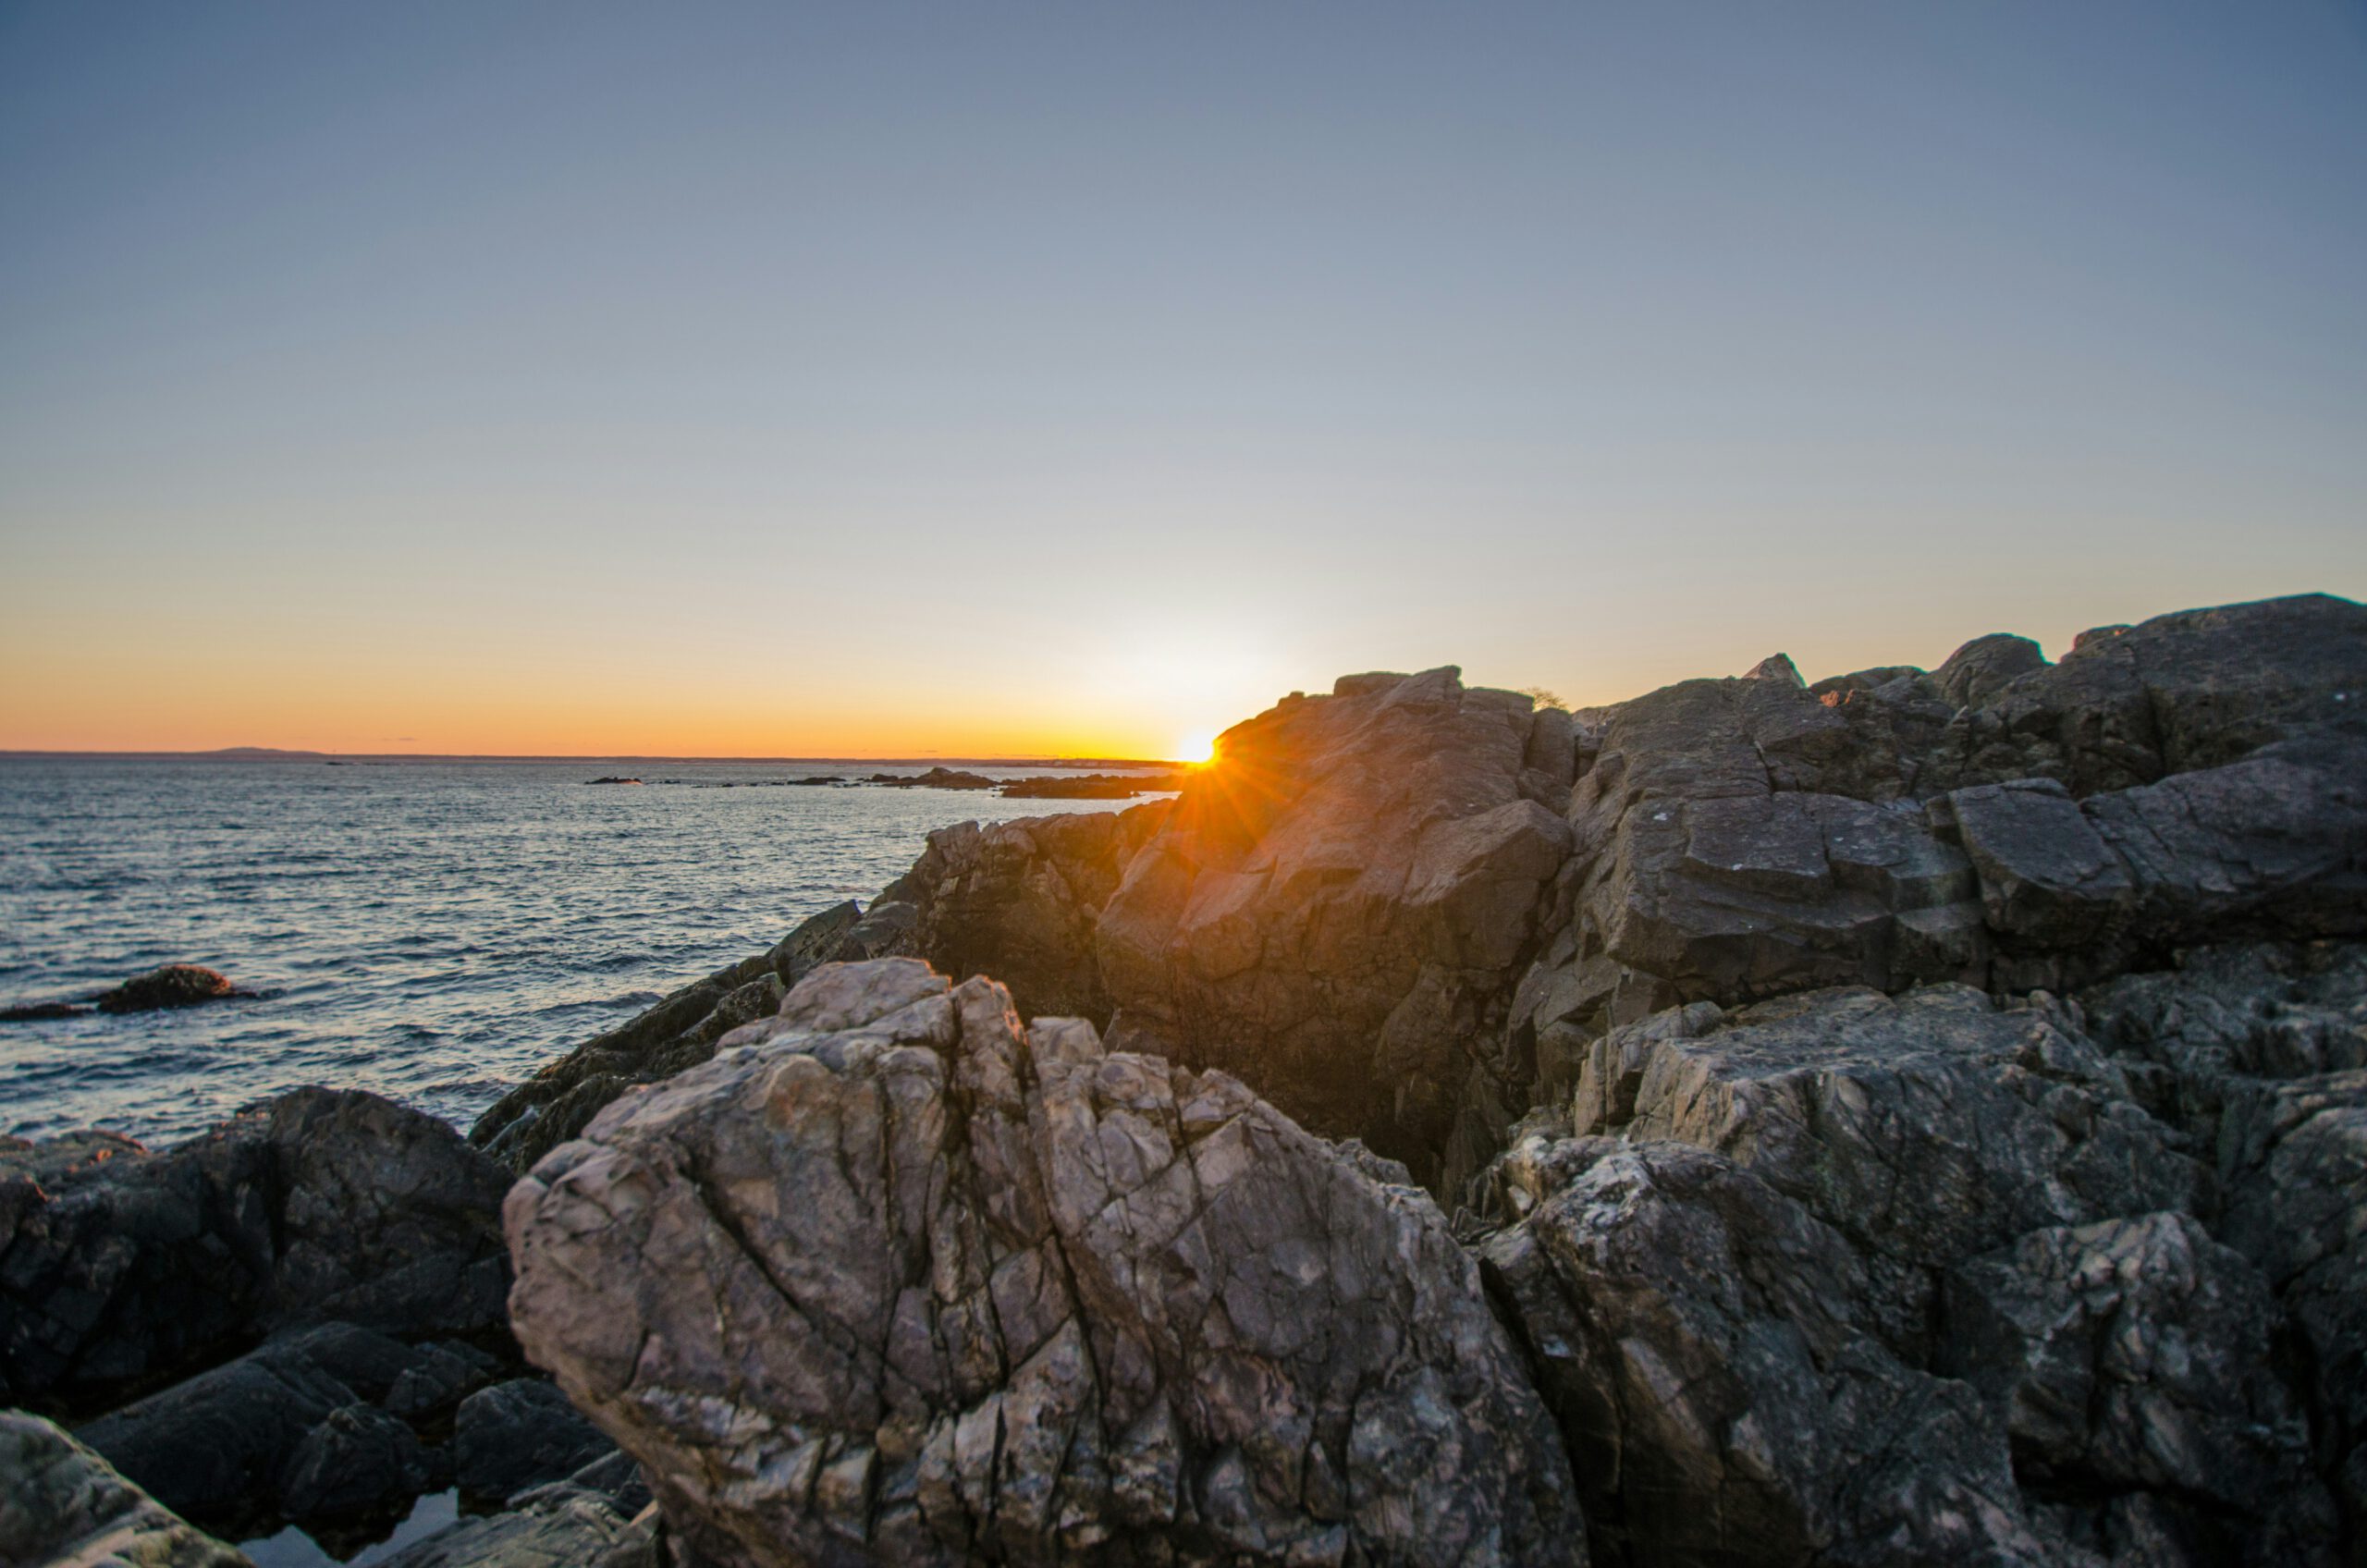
(773, 379)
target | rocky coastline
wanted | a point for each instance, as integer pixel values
(1919, 1118)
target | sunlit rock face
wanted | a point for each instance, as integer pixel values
(893, 1279)
(1334, 910)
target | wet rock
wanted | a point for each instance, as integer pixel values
(175, 985)
(900, 1282)
(38, 1012)
(64, 1506)
(678, 1032)
(322, 1206)
(522, 1434)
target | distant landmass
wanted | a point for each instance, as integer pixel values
(277, 753)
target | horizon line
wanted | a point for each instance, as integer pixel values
(289, 754)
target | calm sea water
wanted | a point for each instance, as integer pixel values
(434, 932)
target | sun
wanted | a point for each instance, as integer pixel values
(1197, 748)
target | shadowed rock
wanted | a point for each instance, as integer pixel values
(894, 1281)
(64, 1506)
(1334, 908)
(1849, 1278)
(323, 1206)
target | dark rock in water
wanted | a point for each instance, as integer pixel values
(679, 1032)
(614, 778)
(296, 1430)
(521, 1434)
(901, 1283)
(61, 1503)
(1093, 786)
(176, 985)
(34, 1013)
(935, 778)
(322, 1206)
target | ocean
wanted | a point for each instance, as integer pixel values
(431, 931)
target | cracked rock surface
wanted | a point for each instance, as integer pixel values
(892, 1280)
(1849, 1278)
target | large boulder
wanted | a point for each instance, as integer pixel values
(678, 1030)
(892, 1280)
(119, 1268)
(62, 1506)
(1335, 907)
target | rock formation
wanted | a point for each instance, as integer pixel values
(1909, 1119)
(119, 1268)
(892, 1280)
(64, 1506)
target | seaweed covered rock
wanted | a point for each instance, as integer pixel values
(895, 1280)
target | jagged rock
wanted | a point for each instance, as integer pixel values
(897, 1282)
(1715, 1357)
(322, 1206)
(1925, 1128)
(560, 1528)
(1335, 909)
(1019, 900)
(2134, 1356)
(1853, 1278)
(62, 1506)
(293, 1429)
(522, 1434)
(678, 1032)
(2006, 822)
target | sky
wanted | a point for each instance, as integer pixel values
(1010, 379)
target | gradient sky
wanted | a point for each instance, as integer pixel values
(997, 379)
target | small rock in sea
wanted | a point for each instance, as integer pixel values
(613, 778)
(36, 1012)
(175, 985)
